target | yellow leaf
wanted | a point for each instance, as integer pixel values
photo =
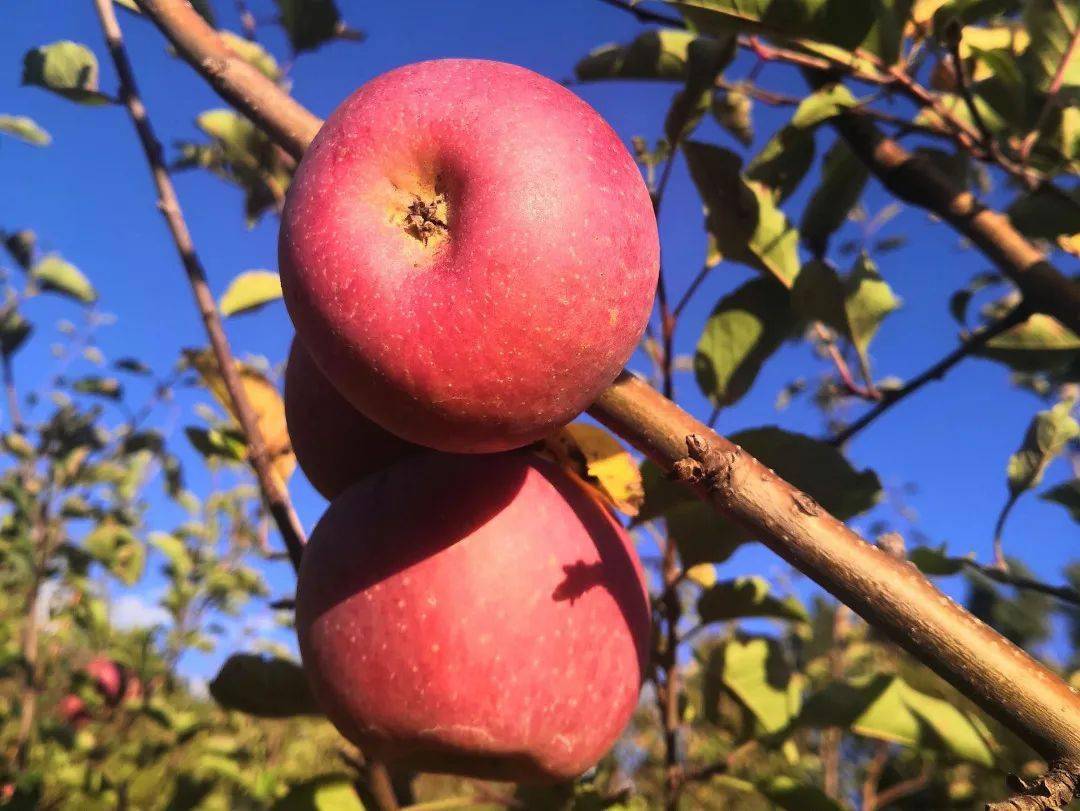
(596, 458)
(265, 402)
(1070, 243)
(704, 574)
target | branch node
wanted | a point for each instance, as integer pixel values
(1055, 789)
(687, 470)
(805, 504)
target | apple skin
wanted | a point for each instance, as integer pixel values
(485, 334)
(476, 615)
(73, 711)
(335, 445)
(107, 677)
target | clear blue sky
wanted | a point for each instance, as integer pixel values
(89, 197)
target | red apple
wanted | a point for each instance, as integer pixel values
(334, 443)
(107, 677)
(73, 711)
(469, 253)
(479, 615)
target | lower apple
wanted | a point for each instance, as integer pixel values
(477, 615)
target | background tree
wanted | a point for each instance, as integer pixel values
(814, 136)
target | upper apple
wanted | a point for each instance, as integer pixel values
(469, 252)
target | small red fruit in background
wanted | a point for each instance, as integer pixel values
(469, 253)
(481, 615)
(73, 711)
(107, 676)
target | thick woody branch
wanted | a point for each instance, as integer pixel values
(916, 180)
(893, 595)
(277, 499)
(890, 594)
(288, 123)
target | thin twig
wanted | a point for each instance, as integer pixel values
(274, 493)
(689, 292)
(953, 36)
(842, 368)
(904, 788)
(247, 20)
(1067, 594)
(936, 372)
(873, 774)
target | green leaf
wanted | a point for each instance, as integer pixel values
(212, 443)
(653, 55)
(747, 597)
(132, 366)
(1042, 215)
(815, 467)
(108, 387)
(753, 670)
(742, 217)
(933, 561)
(263, 686)
(868, 300)
(787, 794)
(14, 330)
(732, 110)
(843, 178)
(22, 246)
(253, 53)
(57, 275)
(702, 536)
(887, 708)
(874, 25)
(954, 729)
(118, 550)
(1067, 495)
(250, 291)
(309, 23)
(66, 68)
(1045, 439)
(818, 295)
(25, 129)
(1051, 24)
(323, 793)
(175, 550)
(786, 158)
(783, 162)
(661, 492)
(959, 301)
(744, 330)
(706, 58)
(821, 105)
(243, 155)
(1040, 343)
(18, 445)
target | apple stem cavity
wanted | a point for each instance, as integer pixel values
(426, 220)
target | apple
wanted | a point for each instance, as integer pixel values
(73, 711)
(476, 615)
(335, 445)
(107, 676)
(469, 253)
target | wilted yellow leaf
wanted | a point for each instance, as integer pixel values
(597, 458)
(265, 401)
(704, 574)
(1070, 243)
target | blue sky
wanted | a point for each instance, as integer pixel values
(89, 196)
